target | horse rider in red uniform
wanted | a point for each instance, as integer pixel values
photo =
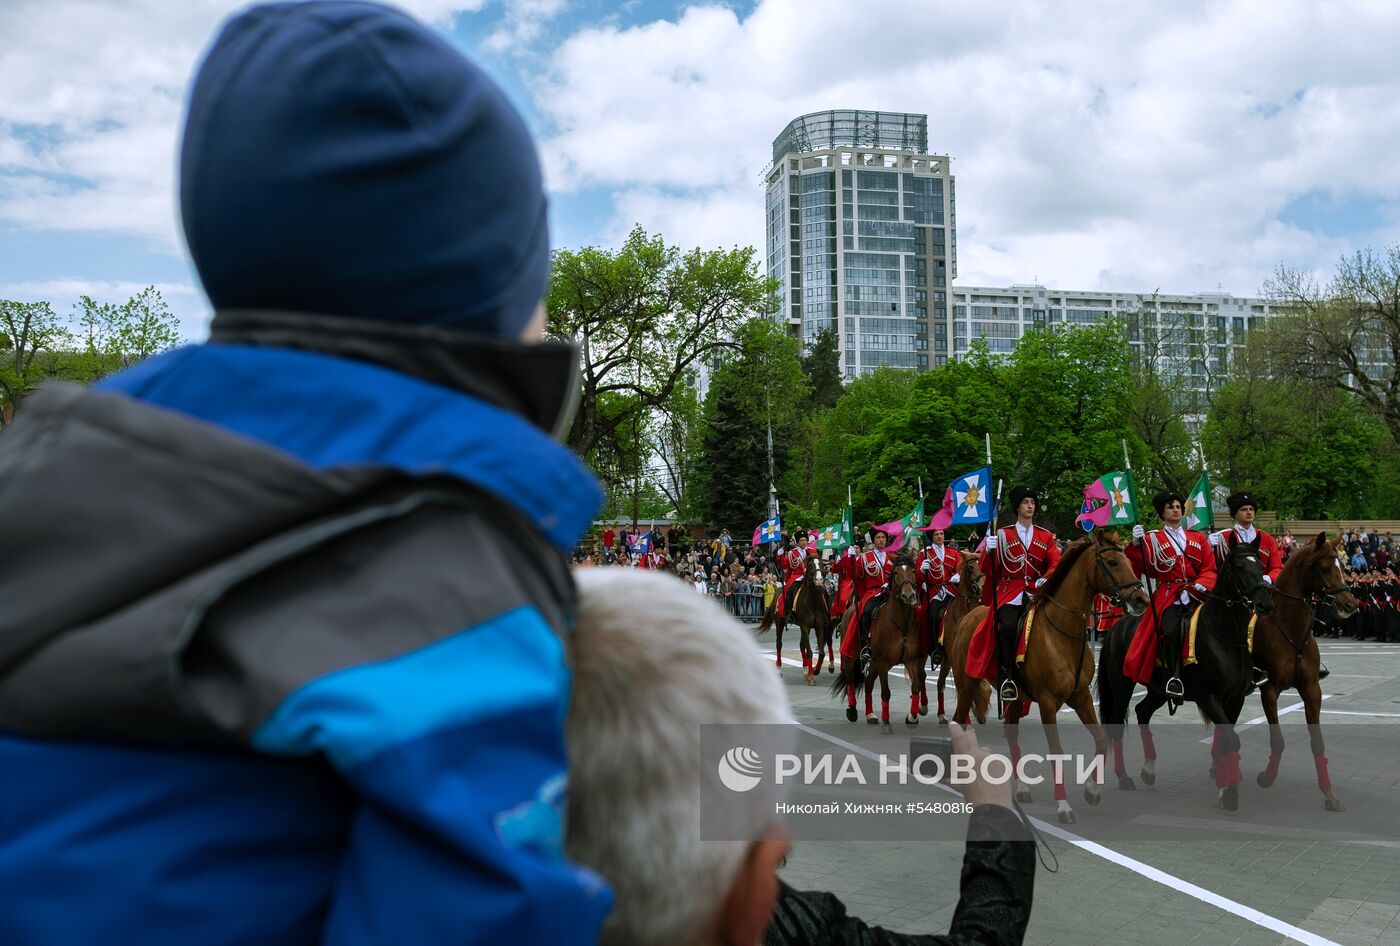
(940, 569)
(871, 572)
(843, 567)
(652, 560)
(1242, 509)
(1181, 562)
(1018, 557)
(793, 562)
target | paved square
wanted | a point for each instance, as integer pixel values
(1285, 871)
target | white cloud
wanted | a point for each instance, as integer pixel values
(91, 93)
(1105, 145)
(186, 302)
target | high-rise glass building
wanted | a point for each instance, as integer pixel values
(861, 233)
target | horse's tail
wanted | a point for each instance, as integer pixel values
(852, 673)
(768, 615)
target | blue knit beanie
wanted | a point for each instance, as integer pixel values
(341, 158)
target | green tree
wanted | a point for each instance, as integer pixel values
(761, 380)
(647, 315)
(31, 342)
(1344, 334)
(822, 365)
(114, 337)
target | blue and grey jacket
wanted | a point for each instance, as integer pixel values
(282, 626)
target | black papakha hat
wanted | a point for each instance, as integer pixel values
(1159, 502)
(1237, 501)
(1023, 492)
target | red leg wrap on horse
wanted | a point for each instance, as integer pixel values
(1271, 770)
(1227, 771)
(806, 661)
(1118, 767)
(850, 695)
(914, 705)
(884, 711)
(1149, 747)
(1015, 757)
(1324, 781)
(1060, 794)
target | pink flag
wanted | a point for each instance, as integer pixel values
(944, 517)
(1095, 510)
(755, 535)
(896, 531)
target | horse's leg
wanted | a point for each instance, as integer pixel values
(820, 632)
(1012, 726)
(942, 682)
(915, 668)
(885, 700)
(1225, 750)
(1048, 708)
(778, 656)
(805, 645)
(1311, 692)
(1148, 705)
(870, 716)
(1268, 698)
(1114, 693)
(982, 699)
(1084, 708)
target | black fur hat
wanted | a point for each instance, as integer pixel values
(1237, 501)
(1159, 502)
(1020, 493)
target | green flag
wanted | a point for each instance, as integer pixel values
(837, 535)
(914, 519)
(1198, 512)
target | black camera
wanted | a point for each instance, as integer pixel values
(940, 747)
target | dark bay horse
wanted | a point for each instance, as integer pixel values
(1217, 682)
(1309, 591)
(894, 639)
(1059, 663)
(809, 609)
(968, 598)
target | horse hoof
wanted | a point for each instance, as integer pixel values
(1211, 773)
(887, 729)
(1230, 798)
(1065, 817)
(981, 719)
(1264, 779)
(942, 720)
(811, 680)
(923, 709)
(830, 668)
(1148, 778)
(1093, 798)
(1023, 795)
(850, 714)
(1126, 783)
(872, 719)
(911, 720)
(1332, 804)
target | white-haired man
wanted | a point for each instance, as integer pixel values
(636, 772)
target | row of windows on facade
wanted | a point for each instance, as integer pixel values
(862, 180)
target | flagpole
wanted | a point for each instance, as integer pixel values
(921, 487)
(1127, 463)
(996, 579)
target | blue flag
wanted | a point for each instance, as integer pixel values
(972, 497)
(640, 543)
(770, 530)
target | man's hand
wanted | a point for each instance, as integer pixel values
(1268, 580)
(992, 542)
(978, 791)
(1215, 539)
(1039, 582)
(955, 579)
(1138, 532)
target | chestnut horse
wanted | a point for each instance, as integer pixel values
(1217, 682)
(1309, 591)
(1059, 663)
(894, 639)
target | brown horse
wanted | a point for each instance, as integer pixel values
(809, 608)
(1309, 590)
(1059, 664)
(968, 599)
(894, 639)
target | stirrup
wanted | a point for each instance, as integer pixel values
(1174, 689)
(1008, 691)
(865, 654)
(1322, 670)
(1259, 677)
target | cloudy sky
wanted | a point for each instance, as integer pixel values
(1098, 145)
